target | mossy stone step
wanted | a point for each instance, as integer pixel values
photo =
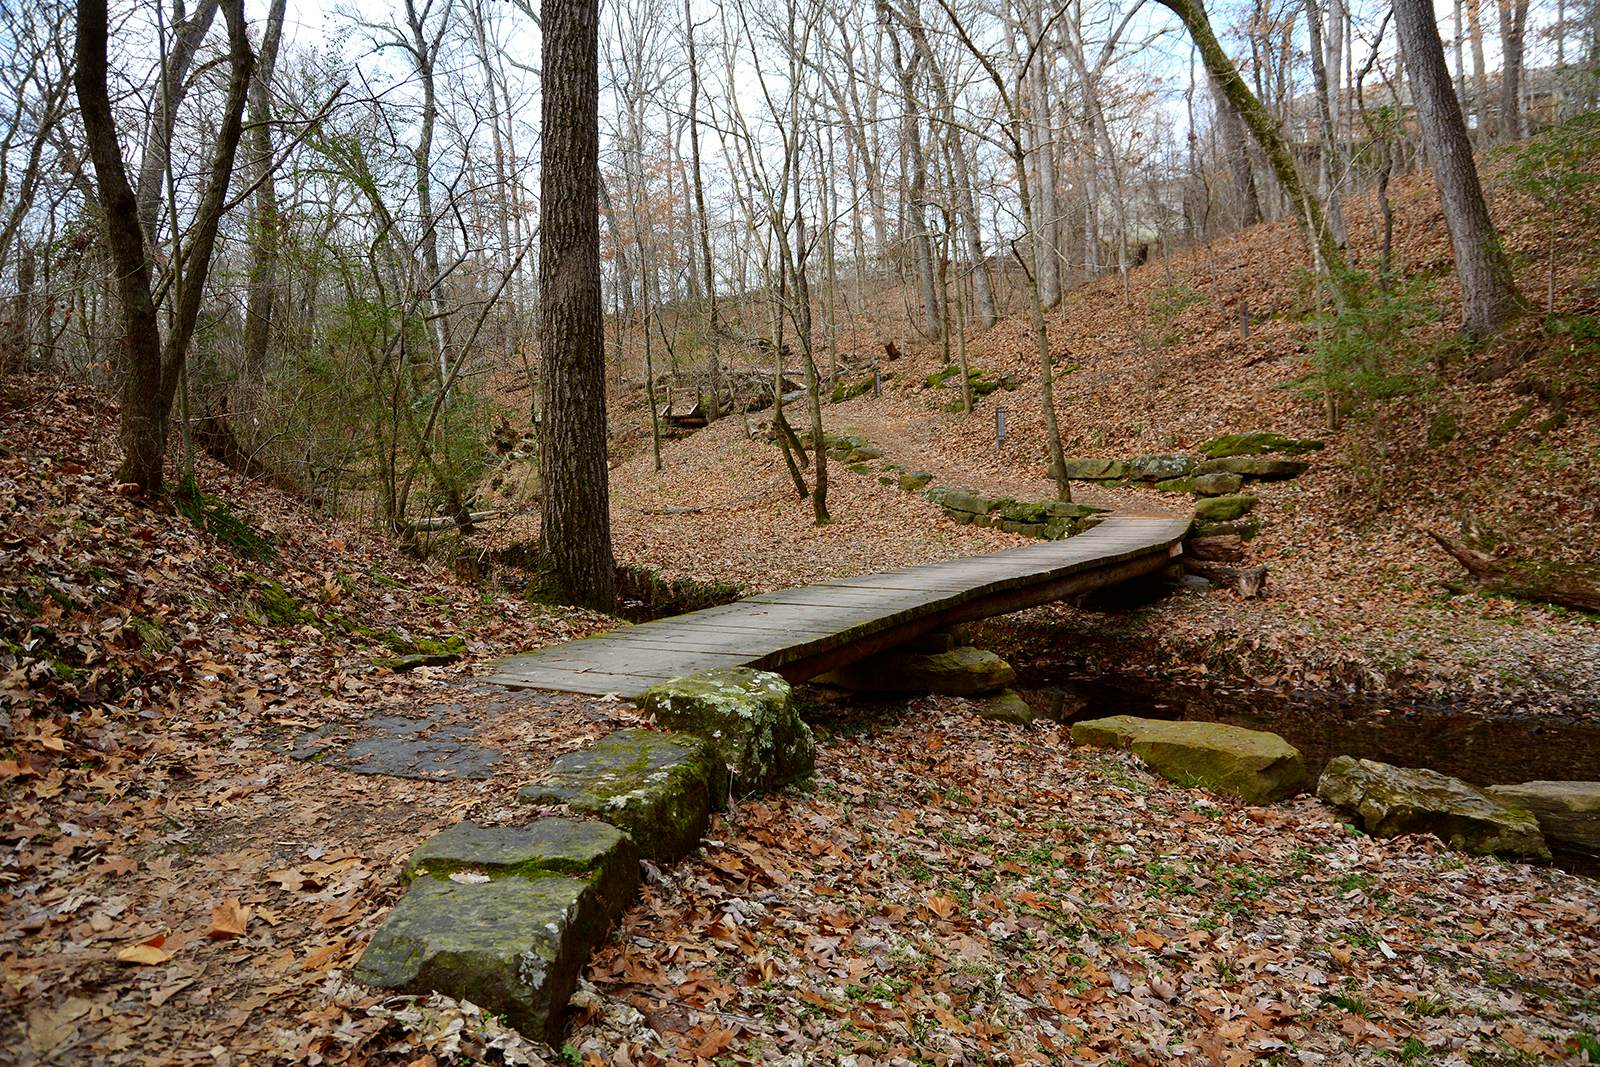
(513, 946)
(593, 851)
(1223, 508)
(659, 787)
(748, 719)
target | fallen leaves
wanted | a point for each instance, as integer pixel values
(228, 919)
(148, 953)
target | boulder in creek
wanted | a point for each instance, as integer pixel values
(748, 718)
(1254, 765)
(961, 671)
(1567, 812)
(1389, 800)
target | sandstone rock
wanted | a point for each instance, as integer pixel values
(748, 718)
(1391, 800)
(1223, 508)
(1096, 470)
(1005, 706)
(952, 499)
(1176, 485)
(1220, 483)
(959, 672)
(1160, 466)
(488, 919)
(1255, 765)
(661, 788)
(1265, 468)
(1255, 443)
(1567, 812)
(915, 480)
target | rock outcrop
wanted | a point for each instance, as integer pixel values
(1389, 800)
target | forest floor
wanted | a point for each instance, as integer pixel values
(192, 859)
(194, 851)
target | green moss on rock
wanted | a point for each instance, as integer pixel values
(1265, 468)
(1223, 508)
(591, 851)
(1254, 765)
(1257, 442)
(1389, 800)
(747, 717)
(961, 671)
(661, 788)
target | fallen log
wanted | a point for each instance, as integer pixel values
(1248, 582)
(446, 522)
(1569, 585)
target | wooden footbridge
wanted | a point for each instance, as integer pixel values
(805, 631)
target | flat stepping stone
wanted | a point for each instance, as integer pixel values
(661, 788)
(486, 920)
(428, 749)
(1255, 765)
(1568, 812)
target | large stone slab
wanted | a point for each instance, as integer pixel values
(748, 718)
(1266, 468)
(1160, 466)
(961, 671)
(592, 851)
(511, 945)
(1257, 442)
(1567, 812)
(1095, 470)
(1390, 800)
(659, 787)
(1254, 765)
(1223, 508)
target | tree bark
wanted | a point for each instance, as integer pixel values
(1488, 297)
(149, 367)
(1571, 585)
(1247, 206)
(1513, 25)
(263, 286)
(575, 514)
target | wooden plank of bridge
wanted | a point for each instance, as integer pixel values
(806, 630)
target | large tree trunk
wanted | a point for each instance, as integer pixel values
(150, 368)
(1513, 24)
(1488, 297)
(575, 512)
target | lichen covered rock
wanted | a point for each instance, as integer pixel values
(1254, 765)
(1568, 812)
(961, 671)
(746, 716)
(1160, 467)
(661, 788)
(1389, 800)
